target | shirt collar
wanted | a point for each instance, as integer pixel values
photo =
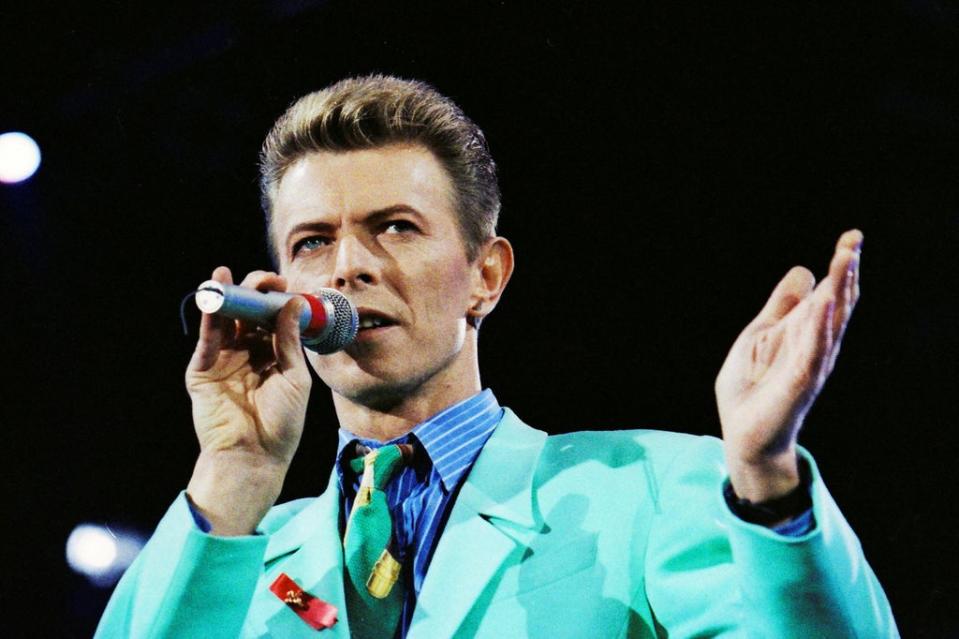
(452, 438)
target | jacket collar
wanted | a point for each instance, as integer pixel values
(498, 487)
(500, 483)
(492, 519)
(491, 522)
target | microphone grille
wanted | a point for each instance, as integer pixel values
(343, 322)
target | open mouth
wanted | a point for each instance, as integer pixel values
(370, 320)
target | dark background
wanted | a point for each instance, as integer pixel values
(662, 167)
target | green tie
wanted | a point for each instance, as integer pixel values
(374, 592)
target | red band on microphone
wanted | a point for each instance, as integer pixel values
(318, 316)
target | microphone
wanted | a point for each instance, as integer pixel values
(328, 325)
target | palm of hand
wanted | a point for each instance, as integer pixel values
(780, 362)
(769, 381)
(238, 406)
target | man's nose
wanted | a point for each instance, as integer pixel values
(356, 264)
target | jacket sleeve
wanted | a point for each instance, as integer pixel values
(185, 583)
(709, 573)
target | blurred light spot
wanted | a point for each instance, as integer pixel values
(91, 549)
(19, 157)
(100, 553)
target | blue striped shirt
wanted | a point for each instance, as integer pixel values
(446, 445)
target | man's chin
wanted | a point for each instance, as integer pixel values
(382, 397)
(374, 389)
(380, 384)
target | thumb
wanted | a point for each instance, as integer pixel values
(792, 289)
(286, 341)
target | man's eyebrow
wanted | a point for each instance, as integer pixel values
(375, 216)
(315, 227)
(379, 214)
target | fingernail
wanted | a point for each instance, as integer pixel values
(301, 306)
(858, 246)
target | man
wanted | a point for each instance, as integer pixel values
(382, 189)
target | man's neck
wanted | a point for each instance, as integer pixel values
(395, 420)
(387, 415)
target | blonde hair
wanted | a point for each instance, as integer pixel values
(378, 110)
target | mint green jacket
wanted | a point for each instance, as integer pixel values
(585, 535)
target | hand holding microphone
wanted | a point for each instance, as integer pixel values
(250, 389)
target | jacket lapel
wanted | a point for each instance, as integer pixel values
(491, 520)
(311, 540)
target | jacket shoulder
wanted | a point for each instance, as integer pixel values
(620, 448)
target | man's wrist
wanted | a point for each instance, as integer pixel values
(766, 479)
(772, 513)
(201, 522)
(231, 495)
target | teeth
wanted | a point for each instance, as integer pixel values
(371, 322)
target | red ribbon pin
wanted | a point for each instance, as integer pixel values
(311, 609)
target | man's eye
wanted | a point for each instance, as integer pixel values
(310, 244)
(399, 226)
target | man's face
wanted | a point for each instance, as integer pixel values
(379, 226)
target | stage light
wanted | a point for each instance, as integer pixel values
(19, 157)
(101, 553)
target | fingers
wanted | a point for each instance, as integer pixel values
(279, 346)
(286, 343)
(822, 337)
(264, 281)
(851, 239)
(816, 341)
(791, 290)
(835, 297)
(261, 281)
(844, 263)
(845, 269)
(216, 332)
(842, 281)
(851, 243)
(257, 340)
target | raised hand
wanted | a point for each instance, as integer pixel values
(249, 390)
(777, 367)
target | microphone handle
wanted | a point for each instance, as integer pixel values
(251, 305)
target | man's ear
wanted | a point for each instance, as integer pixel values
(492, 270)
